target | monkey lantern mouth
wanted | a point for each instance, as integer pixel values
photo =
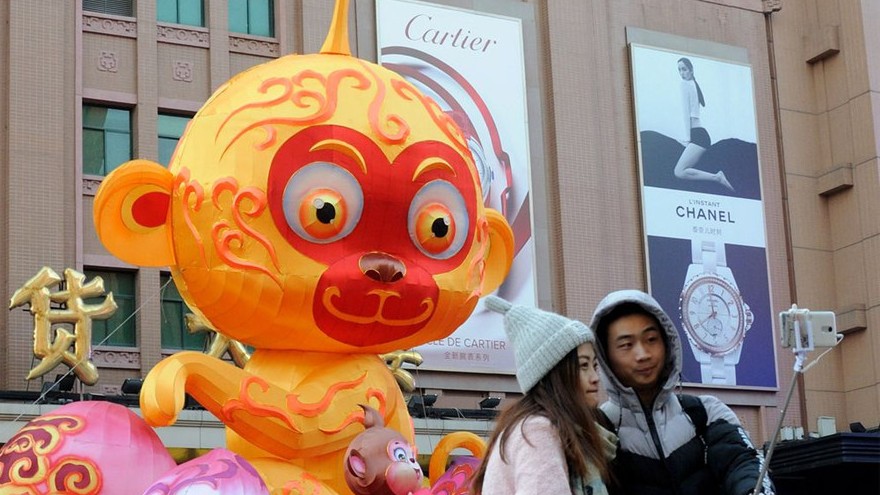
(363, 312)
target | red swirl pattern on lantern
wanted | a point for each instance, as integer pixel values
(320, 105)
(28, 460)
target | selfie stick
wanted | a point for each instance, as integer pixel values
(801, 347)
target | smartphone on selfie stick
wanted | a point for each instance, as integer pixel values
(802, 331)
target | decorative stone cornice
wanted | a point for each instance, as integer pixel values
(111, 389)
(182, 35)
(182, 71)
(90, 185)
(772, 5)
(108, 62)
(254, 46)
(117, 358)
(836, 180)
(108, 24)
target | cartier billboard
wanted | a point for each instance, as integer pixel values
(471, 63)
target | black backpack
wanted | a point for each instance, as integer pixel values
(695, 410)
(692, 406)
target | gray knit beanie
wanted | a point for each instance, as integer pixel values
(540, 338)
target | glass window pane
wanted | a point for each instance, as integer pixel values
(117, 150)
(99, 331)
(118, 120)
(116, 7)
(172, 331)
(93, 152)
(169, 290)
(260, 15)
(123, 283)
(191, 12)
(172, 125)
(166, 150)
(195, 341)
(166, 11)
(103, 151)
(93, 117)
(238, 22)
(121, 326)
(171, 128)
(93, 5)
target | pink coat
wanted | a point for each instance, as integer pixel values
(533, 467)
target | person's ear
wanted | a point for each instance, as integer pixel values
(132, 213)
(500, 255)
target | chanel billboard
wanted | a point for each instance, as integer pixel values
(702, 206)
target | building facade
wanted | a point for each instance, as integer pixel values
(90, 84)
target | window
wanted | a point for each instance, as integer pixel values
(189, 12)
(171, 127)
(106, 139)
(115, 7)
(252, 17)
(175, 335)
(119, 329)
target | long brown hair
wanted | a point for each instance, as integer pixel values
(557, 397)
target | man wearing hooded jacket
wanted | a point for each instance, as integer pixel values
(661, 450)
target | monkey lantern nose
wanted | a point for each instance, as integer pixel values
(382, 267)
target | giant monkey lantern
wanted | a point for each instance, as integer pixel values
(322, 210)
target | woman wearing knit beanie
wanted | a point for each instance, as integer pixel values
(548, 441)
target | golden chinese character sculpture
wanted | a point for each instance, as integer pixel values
(52, 342)
(220, 344)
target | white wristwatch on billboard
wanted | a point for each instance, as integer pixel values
(713, 314)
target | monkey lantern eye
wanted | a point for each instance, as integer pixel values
(434, 228)
(400, 454)
(322, 213)
(438, 220)
(323, 202)
(400, 451)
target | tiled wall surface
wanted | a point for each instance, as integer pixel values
(829, 117)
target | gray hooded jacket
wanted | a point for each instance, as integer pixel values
(660, 450)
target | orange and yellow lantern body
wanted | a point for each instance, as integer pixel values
(322, 210)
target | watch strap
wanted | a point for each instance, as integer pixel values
(708, 254)
(718, 370)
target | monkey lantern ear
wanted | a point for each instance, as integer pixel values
(372, 418)
(132, 213)
(356, 464)
(500, 255)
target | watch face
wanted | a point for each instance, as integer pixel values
(714, 314)
(484, 169)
